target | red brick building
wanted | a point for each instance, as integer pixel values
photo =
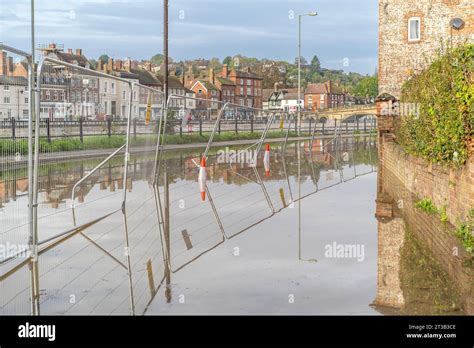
(320, 96)
(204, 89)
(248, 86)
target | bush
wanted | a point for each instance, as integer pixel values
(443, 94)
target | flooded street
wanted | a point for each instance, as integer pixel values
(296, 235)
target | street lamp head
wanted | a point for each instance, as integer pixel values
(313, 14)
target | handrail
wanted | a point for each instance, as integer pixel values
(15, 51)
(96, 168)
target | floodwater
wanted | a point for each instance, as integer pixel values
(296, 237)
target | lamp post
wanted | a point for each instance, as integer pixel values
(311, 14)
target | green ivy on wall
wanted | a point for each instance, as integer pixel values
(441, 129)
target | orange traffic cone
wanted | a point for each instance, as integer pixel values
(202, 178)
(266, 160)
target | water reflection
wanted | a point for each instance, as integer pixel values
(84, 272)
(410, 278)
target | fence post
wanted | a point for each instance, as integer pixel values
(200, 126)
(323, 128)
(81, 129)
(135, 128)
(13, 128)
(48, 130)
(310, 121)
(109, 127)
(236, 126)
(347, 128)
(357, 124)
(251, 124)
(365, 125)
(181, 129)
(296, 124)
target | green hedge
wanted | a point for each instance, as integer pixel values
(444, 95)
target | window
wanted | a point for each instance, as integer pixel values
(25, 113)
(105, 87)
(249, 102)
(414, 28)
(241, 102)
(9, 113)
(26, 100)
(249, 91)
(241, 90)
(241, 81)
(123, 95)
(249, 82)
(200, 91)
(6, 88)
(112, 86)
(6, 100)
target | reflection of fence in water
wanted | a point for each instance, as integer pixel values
(99, 272)
(82, 266)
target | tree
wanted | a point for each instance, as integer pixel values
(157, 59)
(104, 58)
(367, 87)
(93, 63)
(215, 64)
(315, 63)
(229, 61)
(303, 61)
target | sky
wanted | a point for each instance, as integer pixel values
(343, 35)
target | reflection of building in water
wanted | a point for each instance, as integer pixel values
(391, 235)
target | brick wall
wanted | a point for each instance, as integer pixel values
(405, 178)
(399, 58)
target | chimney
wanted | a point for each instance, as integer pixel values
(3, 62)
(118, 65)
(211, 76)
(225, 71)
(100, 65)
(247, 69)
(69, 50)
(10, 66)
(110, 65)
(79, 51)
(328, 86)
(148, 66)
(276, 86)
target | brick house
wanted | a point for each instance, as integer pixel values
(226, 88)
(204, 89)
(319, 96)
(412, 31)
(248, 86)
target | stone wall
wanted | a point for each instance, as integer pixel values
(399, 58)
